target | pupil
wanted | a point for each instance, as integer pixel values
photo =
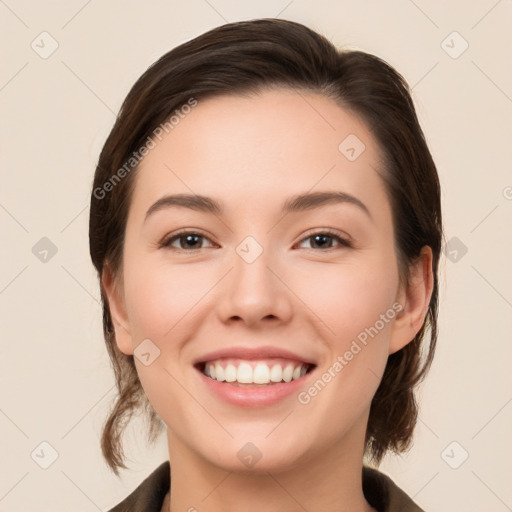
(189, 238)
(320, 237)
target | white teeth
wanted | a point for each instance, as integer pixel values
(244, 374)
(262, 373)
(230, 373)
(288, 373)
(276, 373)
(219, 373)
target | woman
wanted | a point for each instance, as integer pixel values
(266, 225)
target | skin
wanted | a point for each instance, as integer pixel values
(251, 154)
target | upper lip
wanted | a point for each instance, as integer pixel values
(241, 352)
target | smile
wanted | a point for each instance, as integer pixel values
(255, 372)
(254, 383)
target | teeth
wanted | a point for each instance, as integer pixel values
(230, 373)
(261, 374)
(244, 374)
(276, 373)
(218, 372)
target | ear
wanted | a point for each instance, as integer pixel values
(116, 303)
(414, 299)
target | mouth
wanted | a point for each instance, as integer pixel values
(254, 377)
(254, 373)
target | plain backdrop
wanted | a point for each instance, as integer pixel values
(67, 66)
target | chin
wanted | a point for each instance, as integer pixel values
(253, 453)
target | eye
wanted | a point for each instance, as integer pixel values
(190, 241)
(187, 241)
(321, 239)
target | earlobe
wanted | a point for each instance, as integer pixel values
(415, 300)
(116, 304)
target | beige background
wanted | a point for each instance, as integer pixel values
(55, 379)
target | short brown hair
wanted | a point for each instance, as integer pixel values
(247, 57)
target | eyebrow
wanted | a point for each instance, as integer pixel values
(301, 202)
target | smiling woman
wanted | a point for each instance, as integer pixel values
(268, 272)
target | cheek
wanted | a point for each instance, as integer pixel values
(163, 302)
(353, 308)
(163, 298)
(349, 298)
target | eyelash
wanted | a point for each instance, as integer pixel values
(166, 243)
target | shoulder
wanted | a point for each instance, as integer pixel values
(149, 495)
(384, 495)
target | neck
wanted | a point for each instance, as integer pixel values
(330, 481)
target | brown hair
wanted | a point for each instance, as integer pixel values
(246, 57)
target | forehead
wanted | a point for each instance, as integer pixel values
(256, 150)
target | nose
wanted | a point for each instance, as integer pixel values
(254, 292)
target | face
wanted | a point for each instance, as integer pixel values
(259, 287)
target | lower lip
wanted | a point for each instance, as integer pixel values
(261, 396)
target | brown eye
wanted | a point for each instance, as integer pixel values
(324, 240)
(187, 241)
